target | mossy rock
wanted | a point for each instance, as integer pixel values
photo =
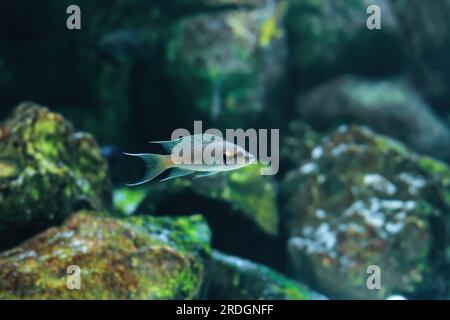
(245, 192)
(235, 278)
(222, 63)
(142, 258)
(48, 170)
(389, 107)
(363, 199)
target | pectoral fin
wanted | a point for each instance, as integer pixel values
(205, 174)
(177, 172)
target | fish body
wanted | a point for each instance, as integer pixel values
(204, 153)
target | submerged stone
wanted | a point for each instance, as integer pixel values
(244, 191)
(235, 278)
(47, 171)
(222, 63)
(140, 258)
(362, 199)
(390, 107)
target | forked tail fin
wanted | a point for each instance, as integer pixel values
(155, 164)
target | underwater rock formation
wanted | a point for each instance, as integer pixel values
(244, 191)
(224, 63)
(142, 258)
(240, 207)
(297, 144)
(235, 278)
(389, 107)
(47, 170)
(328, 37)
(362, 199)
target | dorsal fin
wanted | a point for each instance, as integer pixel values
(168, 145)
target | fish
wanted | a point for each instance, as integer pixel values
(203, 154)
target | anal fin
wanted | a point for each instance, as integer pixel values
(205, 174)
(178, 172)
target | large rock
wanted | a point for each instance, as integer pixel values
(389, 107)
(223, 64)
(235, 278)
(424, 28)
(362, 199)
(328, 37)
(47, 170)
(240, 207)
(142, 258)
(244, 191)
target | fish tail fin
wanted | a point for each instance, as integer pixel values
(155, 164)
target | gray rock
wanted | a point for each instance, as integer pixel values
(389, 107)
(236, 278)
(363, 199)
(224, 63)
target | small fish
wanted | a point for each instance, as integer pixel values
(225, 156)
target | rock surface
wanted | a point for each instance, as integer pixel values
(235, 278)
(48, 170)
(223, 63)
(389, 107)
(244, 191)
(142, 258)
(240, 207)
(363, 199)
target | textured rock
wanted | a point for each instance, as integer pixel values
(363, 199)
(236, 278)
(142, 258)
(246, 191)
(389, 107)
(47, 170)
(223, 63)
(240, 207)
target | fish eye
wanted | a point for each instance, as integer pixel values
(212, 138)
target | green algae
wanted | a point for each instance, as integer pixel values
(236, 278)
(136, 258)
(60, 170)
